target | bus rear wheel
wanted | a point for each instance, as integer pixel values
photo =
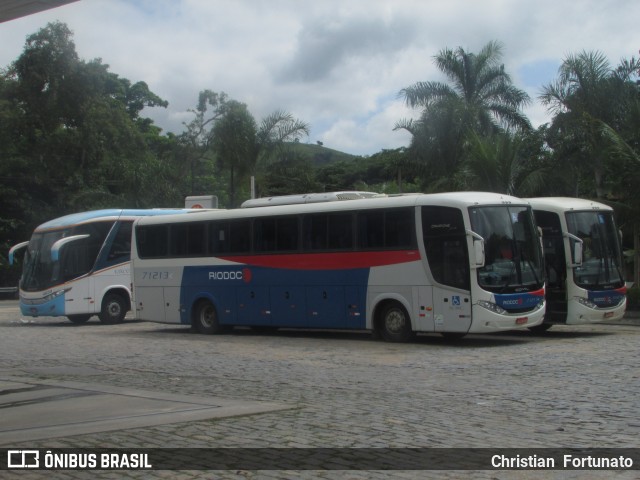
(113, 310)
(205, 318)
(394, 324)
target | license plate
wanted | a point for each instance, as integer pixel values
(522, 320)
(608, 314)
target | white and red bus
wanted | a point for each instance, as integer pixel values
(583, 261)
(453, 263)
(78, 265)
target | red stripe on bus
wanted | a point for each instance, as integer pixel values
(328, 261)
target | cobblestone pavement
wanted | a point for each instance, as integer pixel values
(573, 387)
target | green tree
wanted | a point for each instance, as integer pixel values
(234, 144)
(197, 141)
(480, 84)
(479, 98)
(244, 148)
(72, 135)
(587, 93)
(497, 164)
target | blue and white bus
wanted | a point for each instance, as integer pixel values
(583, 261)
(78, 265)
(452, 263)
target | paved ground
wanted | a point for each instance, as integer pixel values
(573, 387)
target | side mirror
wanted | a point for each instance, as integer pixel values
(55, 248)
(577, 253)
(478, 250)
(577, 249)
(14, 249)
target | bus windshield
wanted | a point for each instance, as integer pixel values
(40, 271)
(512, 255)
(601, 256)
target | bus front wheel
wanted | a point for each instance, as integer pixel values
(394, 324)
(205, 318)
(113, 310)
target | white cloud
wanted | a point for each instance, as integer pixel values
(335, 64)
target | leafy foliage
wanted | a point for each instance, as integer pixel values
(73, 137)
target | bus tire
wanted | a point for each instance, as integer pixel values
(394, 324)
(114, 308)
(79, 319)
(205, 318)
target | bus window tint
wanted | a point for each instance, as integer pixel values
(287, 234)
(399, 228)
(229, 237)
(277, 234)
(80, 259)
(314, 228)
(392, 228)
(152, 241)
(340, 231)
(120, 250)
(445, 243)
(370, 229)
(187, 240)
(328, 231)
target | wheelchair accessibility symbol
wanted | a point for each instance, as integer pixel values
(455, 300)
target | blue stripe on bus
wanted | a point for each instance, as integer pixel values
(518, 301)
(606, 298)
(74, 218)
(250, 295)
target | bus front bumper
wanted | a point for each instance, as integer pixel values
(578, 313)
(487, 321)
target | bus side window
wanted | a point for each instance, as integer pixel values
(120, 250)
(153, 241)
(340, 231)
(399, 228)
(314, 232)
(370, 229)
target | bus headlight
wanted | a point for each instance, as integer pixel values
(586, 302)
(53, 295)
(492, 307)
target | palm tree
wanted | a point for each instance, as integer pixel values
(587, 93)
(479, 98)
(480, 83)
(497, 164)
(234, 144)
(243, 147)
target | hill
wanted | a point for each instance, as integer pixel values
(320, 155)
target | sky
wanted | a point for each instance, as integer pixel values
(337, 65)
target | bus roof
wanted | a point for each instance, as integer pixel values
(453, 199)
(107, 214)
(563, 204)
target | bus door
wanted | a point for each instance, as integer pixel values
(445, 244)
(555, 265)
(72, 262)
